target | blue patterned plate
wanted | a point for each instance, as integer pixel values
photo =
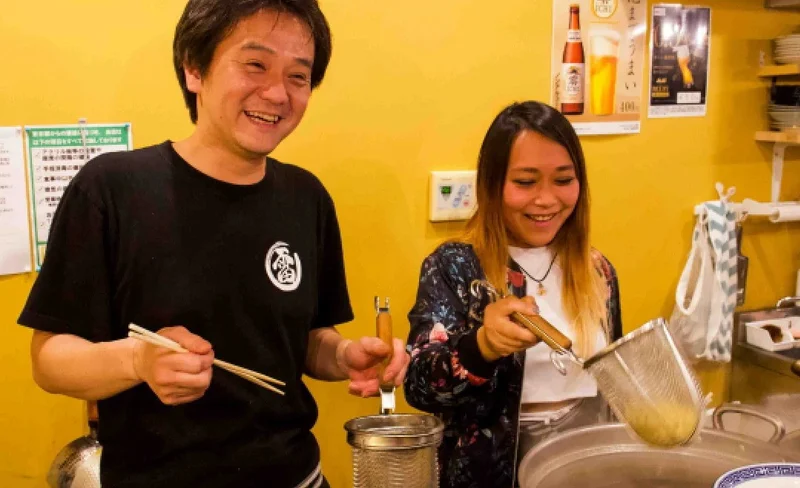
(777, 475)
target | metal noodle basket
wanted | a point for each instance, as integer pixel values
(397, 450)
(642, 376)
(77, 465)
(393, 450)
(649, 386)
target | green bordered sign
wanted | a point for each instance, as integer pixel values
(55, 155)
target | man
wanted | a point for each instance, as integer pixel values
(218, 247)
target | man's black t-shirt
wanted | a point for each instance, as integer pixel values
(144, 237)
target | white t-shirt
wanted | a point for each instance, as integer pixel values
(542, 382)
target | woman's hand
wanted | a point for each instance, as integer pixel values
(499, 336)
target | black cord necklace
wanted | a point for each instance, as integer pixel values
(540, 290)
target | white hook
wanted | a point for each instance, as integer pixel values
(723, 194)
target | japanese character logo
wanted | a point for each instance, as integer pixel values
(283, 267)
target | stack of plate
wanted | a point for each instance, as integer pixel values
(784, 106)
(783, 117)
(787, 49)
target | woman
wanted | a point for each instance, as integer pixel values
(484, 375)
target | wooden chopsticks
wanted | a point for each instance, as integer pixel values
(158, 340)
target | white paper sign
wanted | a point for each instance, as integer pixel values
(15, 249)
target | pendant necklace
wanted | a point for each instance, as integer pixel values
(540, 289)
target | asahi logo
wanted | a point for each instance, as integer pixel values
(604, 8)
(283, 267)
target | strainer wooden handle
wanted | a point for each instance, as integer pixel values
(91, 412)
(544, 330)
(383, 330)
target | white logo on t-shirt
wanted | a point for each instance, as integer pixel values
(283, 267)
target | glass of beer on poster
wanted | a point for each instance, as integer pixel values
(603, 59)
(597, 62)
(682, 53)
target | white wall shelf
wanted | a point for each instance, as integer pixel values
(780, 141)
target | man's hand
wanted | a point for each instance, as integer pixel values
(175, 377)
(361, 360)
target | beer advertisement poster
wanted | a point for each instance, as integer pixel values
(679, 49)
(597, 64)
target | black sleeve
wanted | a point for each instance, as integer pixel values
(447, 370)
(333, 299)
(72, 293)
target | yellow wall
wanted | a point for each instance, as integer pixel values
(412, 87)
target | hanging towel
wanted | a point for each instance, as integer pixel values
(721, 222)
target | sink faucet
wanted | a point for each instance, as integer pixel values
(787, 300)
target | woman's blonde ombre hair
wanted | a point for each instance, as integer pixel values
(584, 291)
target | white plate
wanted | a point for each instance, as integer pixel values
(777, 475)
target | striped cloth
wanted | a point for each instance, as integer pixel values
(721, 222)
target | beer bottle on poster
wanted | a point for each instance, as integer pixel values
(572, 67)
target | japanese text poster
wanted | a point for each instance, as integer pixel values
(55, 154)
(15, 246)
(679, 61)
(597, 64)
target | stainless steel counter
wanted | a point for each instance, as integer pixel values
(756, 373)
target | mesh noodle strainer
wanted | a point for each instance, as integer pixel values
(393, 450)
(642, 376)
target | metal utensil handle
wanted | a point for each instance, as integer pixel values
(545, 331)
(383, 330)
(780, 429)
